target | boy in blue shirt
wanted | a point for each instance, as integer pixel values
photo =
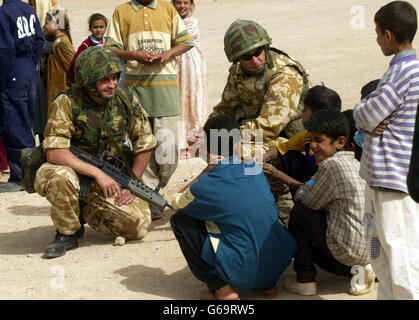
(227, 224)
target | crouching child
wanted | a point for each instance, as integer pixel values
(227, 223)
(327, 219)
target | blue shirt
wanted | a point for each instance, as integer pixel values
(21, 41)
(247, 245)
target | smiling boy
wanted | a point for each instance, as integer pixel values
(327, 218)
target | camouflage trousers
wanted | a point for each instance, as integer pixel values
(60, 186)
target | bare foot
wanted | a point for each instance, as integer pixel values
(226, 293)
(208, 296)
(270, 293)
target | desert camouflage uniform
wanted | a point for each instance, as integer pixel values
(60, 184)
(284, 91)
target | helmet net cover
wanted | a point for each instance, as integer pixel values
(244, 36)
(96, 63)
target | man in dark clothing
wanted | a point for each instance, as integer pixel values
(21, 41)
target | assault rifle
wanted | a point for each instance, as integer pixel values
(136, 186)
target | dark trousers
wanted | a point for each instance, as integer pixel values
(16, 116)
(191, 235)
(309, 229)
(295, 165)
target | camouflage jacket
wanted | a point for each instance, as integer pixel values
(273, 107)
(88, 125)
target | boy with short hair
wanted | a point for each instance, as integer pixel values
(392, 217)
(297, 168)
(227, 223)
(359, 136)
(353, 143)
(326, 220)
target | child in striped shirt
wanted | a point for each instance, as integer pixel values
(392, 217)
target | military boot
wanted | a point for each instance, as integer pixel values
(61, 244)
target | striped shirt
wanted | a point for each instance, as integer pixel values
(155, 28)
(385, 159)
(339, 190)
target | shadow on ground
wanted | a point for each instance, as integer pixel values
(30, 210)
(156, 282)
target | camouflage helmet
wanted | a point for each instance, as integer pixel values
(244, 36)
(95, 63)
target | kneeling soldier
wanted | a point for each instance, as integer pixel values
(95, 116)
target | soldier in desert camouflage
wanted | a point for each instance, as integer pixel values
(265, 88)
(95, 116)
(264, 92)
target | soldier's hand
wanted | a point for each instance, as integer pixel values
(108, 185)
(125, 198)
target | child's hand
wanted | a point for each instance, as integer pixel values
(271, 170)
(271, 154)
(378, 131)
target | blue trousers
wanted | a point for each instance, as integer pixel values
(16, 116)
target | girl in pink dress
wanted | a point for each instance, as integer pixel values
(193, 86)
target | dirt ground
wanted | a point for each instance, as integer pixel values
(333, 39)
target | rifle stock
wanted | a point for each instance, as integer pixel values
(136, 186)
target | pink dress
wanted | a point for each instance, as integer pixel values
(193, 87)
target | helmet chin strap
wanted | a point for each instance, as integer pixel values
(257, 72)
(94, 92)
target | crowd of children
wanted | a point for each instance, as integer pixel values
(346, 172)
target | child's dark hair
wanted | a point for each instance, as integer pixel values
(330, 122)
(321, 97)
(369, 88)
(97, 16)
(349, 114)
(227, 130)
(400, 18)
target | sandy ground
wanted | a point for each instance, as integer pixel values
(334, 40)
